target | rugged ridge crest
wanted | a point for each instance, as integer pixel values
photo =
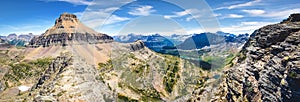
(267, 69)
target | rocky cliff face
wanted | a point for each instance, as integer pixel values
(68, 29)
(137, 45)
(69, 78)
(267, 69)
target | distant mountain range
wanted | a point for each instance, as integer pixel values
(175, 38)
(198, 41)
(194, 47)
(161, 43)
(155, 42)
(17, 40)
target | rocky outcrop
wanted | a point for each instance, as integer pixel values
(44, 99)
(267, 69)
(2, 87)
(67, 30)
(70, 78)
(137, 45)
(54, 69)
(292, 18)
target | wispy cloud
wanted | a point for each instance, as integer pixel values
(246, 4)
(142, 11)
(245, 27)
(281, 14)
(100, 17)
(235, 16)
(75, 2)
(254, 12)
(195, 13)
(275, 14)
(115, 19)
(180, 14)
(192, 17)
(232, 16)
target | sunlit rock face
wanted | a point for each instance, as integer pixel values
(68, 29)
(267, 68)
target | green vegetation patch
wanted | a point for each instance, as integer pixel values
(27, 70)
(219, 62)
(292, 74)
(147, 94)
(123, 98)
(171, 73)
(105, 66)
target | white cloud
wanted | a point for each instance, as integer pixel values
(110, 9)
(115, 19)
(251, 3)
(217, 14)
(194, 12)
(192, 17)
(277, 14)
(234, 16)
(99, 16)
(281, 14)
(245, 27)
(96, 18)
(142, 11)
(169, 16)
(76, 2)
(254, 12)
(185, 12)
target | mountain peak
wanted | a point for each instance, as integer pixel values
(66, 18)
(69, 23)
(293, 18)
(67, 29)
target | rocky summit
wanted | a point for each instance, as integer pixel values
(292, 18)
(267, 69)
(68, 29)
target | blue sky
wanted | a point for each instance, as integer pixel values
(147, 16)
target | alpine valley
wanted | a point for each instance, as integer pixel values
(71, 62)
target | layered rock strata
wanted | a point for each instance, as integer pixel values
(69, 30)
